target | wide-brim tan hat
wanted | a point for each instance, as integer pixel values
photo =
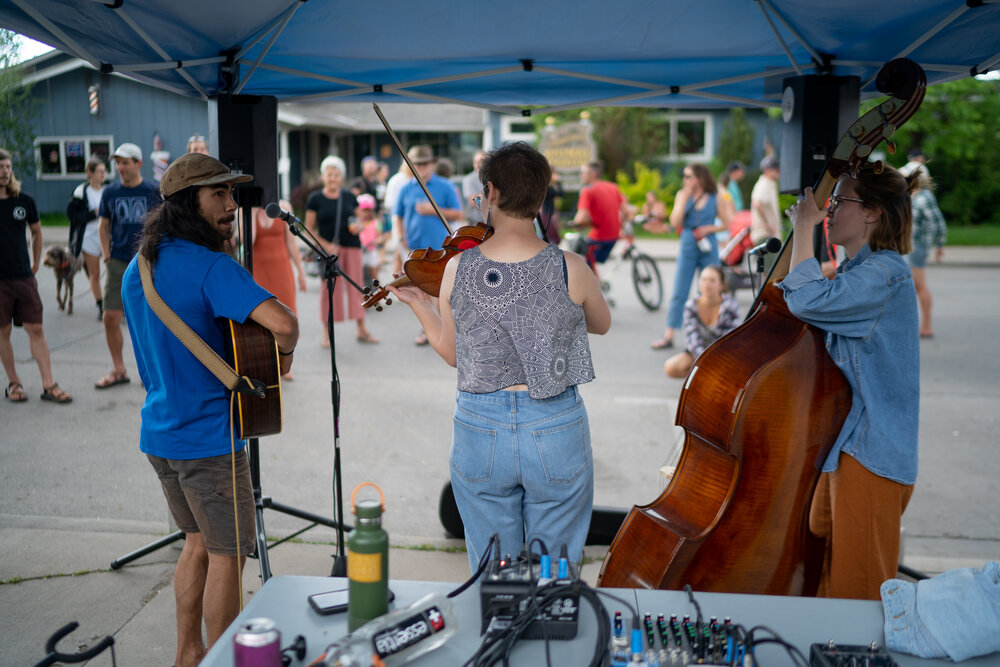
(195, 169)
(421, 154)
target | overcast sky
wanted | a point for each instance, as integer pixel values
(30, 48)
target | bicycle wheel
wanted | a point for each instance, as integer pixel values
(647, 281)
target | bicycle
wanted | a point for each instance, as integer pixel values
(645, 274)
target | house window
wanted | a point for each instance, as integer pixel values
(691, 136)
(66, 157)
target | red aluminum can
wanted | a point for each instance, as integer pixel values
(257, 643)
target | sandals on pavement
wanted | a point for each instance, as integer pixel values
(421, 339)
(662, 344)
(15, 393)
(367, 337)
(56, 395)
(111, 379)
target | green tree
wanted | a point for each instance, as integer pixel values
(958, 127)
(16, 104)
(736, 138)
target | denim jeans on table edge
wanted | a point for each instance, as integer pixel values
(522, 468)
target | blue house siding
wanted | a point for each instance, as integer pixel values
(130, 112)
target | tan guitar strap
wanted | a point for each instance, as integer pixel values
(200, 349)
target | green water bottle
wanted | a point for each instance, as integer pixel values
(367, 561)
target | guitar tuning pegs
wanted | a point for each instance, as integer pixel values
(864, 151)
(388, 301)
(888, 130)
(378, 308)
(376, 284)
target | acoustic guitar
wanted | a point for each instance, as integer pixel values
(252, 352)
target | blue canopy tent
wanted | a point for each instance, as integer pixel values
(520, 57)
(514, 55)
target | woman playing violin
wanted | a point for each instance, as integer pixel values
(869, 312)
(515, 312)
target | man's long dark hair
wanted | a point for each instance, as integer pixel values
(178, 218)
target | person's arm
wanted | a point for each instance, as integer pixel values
(694, 339)
(36, 245)
(293, 253)
(283, 325)
(583, 217)
(312, 224)
(104, 234)
(940, 229)
(586, 291)
(805, 215)
(677, 213)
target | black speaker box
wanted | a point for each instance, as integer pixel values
(817, 110)
(248, 142)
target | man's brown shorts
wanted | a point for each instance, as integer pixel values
(199, 494)
(113, 284)
(19, 302)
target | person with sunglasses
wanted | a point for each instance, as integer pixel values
(701, 210)
(515, 314)
(869, 313)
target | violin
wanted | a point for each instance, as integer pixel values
(424, 267)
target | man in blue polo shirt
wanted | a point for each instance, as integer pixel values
(185, 430)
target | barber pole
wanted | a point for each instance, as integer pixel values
(257, 643)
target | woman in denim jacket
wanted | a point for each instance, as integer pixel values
(869, 311)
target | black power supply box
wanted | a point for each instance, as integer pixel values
(505, 595)
(849, 655)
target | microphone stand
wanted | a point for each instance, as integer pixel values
(331, 271)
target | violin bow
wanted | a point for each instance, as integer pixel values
(413, 169)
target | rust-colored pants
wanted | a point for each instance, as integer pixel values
(858, 513)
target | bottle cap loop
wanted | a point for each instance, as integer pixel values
(354, 505)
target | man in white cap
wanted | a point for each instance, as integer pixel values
(122, 211)
(185, 430)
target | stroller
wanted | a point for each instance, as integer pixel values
(733, 252)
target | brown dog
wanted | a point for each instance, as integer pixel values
(65, 266)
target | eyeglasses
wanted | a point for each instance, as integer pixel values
(836, 199)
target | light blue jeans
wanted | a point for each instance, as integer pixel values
(689, 260)
(522, 468)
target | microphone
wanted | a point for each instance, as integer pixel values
(273, 210)
(768, 247)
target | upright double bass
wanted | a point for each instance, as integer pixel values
(761, 409)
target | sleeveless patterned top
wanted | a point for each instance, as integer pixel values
(516, 324)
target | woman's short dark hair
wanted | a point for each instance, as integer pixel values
(885, 190)
(178, 217)
(522, 176)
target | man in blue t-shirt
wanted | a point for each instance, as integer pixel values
(419, 225)
(185, 431)
(414, 216)
(123, 209)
